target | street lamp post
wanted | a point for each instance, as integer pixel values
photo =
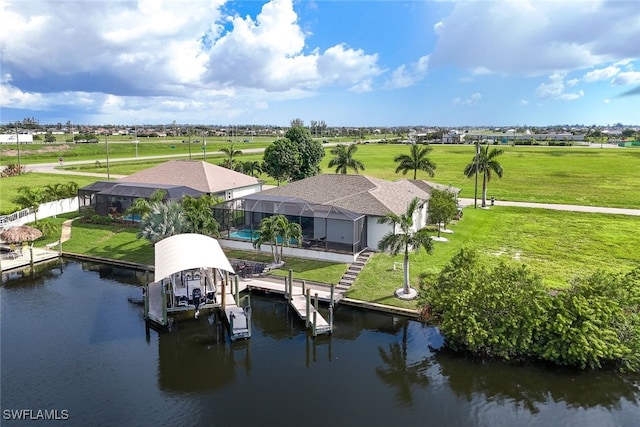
(477, 159)
(204, 150)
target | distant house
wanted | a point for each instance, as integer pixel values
(338, 213)
(177, 177)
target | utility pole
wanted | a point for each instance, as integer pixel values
(106, 141)
(18, 146)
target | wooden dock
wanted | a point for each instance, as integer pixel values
(303, 299)
(26, 257)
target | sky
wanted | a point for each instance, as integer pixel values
(347, 63)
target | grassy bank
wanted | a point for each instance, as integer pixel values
(554, 244)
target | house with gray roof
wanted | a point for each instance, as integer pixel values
(177, 177)
(338, 213)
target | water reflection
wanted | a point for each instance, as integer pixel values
(533, 386)
(70, 339)
(196, 357)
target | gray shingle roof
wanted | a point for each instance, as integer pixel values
(198, 175)
(357, 193)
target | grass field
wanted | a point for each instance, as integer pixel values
(556, 245)
(9, 186)
(571, 175)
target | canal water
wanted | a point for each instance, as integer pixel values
(74, 346)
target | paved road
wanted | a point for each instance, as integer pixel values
(558, 207)
(54, 167)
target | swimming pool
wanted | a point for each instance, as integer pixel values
(244, 234)
(248, 234)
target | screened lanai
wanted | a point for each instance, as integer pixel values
(324, 227)
(114, 197)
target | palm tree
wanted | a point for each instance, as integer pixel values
(142, 207)
(485, 161)
(163, 220)
(252, 167)
(416, 160)
(277, 231)
(285, 231)
(52, 192)
(344, 159)
(199, 215)
(29, 197)
(230, 155)
(267, 235)
(407, 238)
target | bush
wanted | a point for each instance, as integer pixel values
(489, 313)
(12, 170)
(595, 322)
(507, 313)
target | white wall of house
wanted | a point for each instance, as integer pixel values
(237, 193)
(376, 231)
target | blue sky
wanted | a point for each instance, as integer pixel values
(348, 63)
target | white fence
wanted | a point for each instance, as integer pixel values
(45, 210)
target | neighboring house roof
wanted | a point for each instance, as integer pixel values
(428, 186)
(357, 193)
(199, 175)
(139, 190)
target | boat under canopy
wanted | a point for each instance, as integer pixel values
(187, 267)
(188, 251)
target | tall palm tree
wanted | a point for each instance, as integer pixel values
(485, 162)
(407, 239)
(344, 160)
(416, 160)
(165, 219)
(230, 156)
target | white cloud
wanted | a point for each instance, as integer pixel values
(472, 100)
(166, 47)
(627, 78)
(405, 76)
(601, 74)
(555, 88)
(530, 37)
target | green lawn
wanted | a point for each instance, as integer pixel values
(118, 148)
(572, 175)
(122, 244)
(555, 244)
(109, 242)
(9, 186)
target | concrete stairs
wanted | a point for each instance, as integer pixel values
(354, 269)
